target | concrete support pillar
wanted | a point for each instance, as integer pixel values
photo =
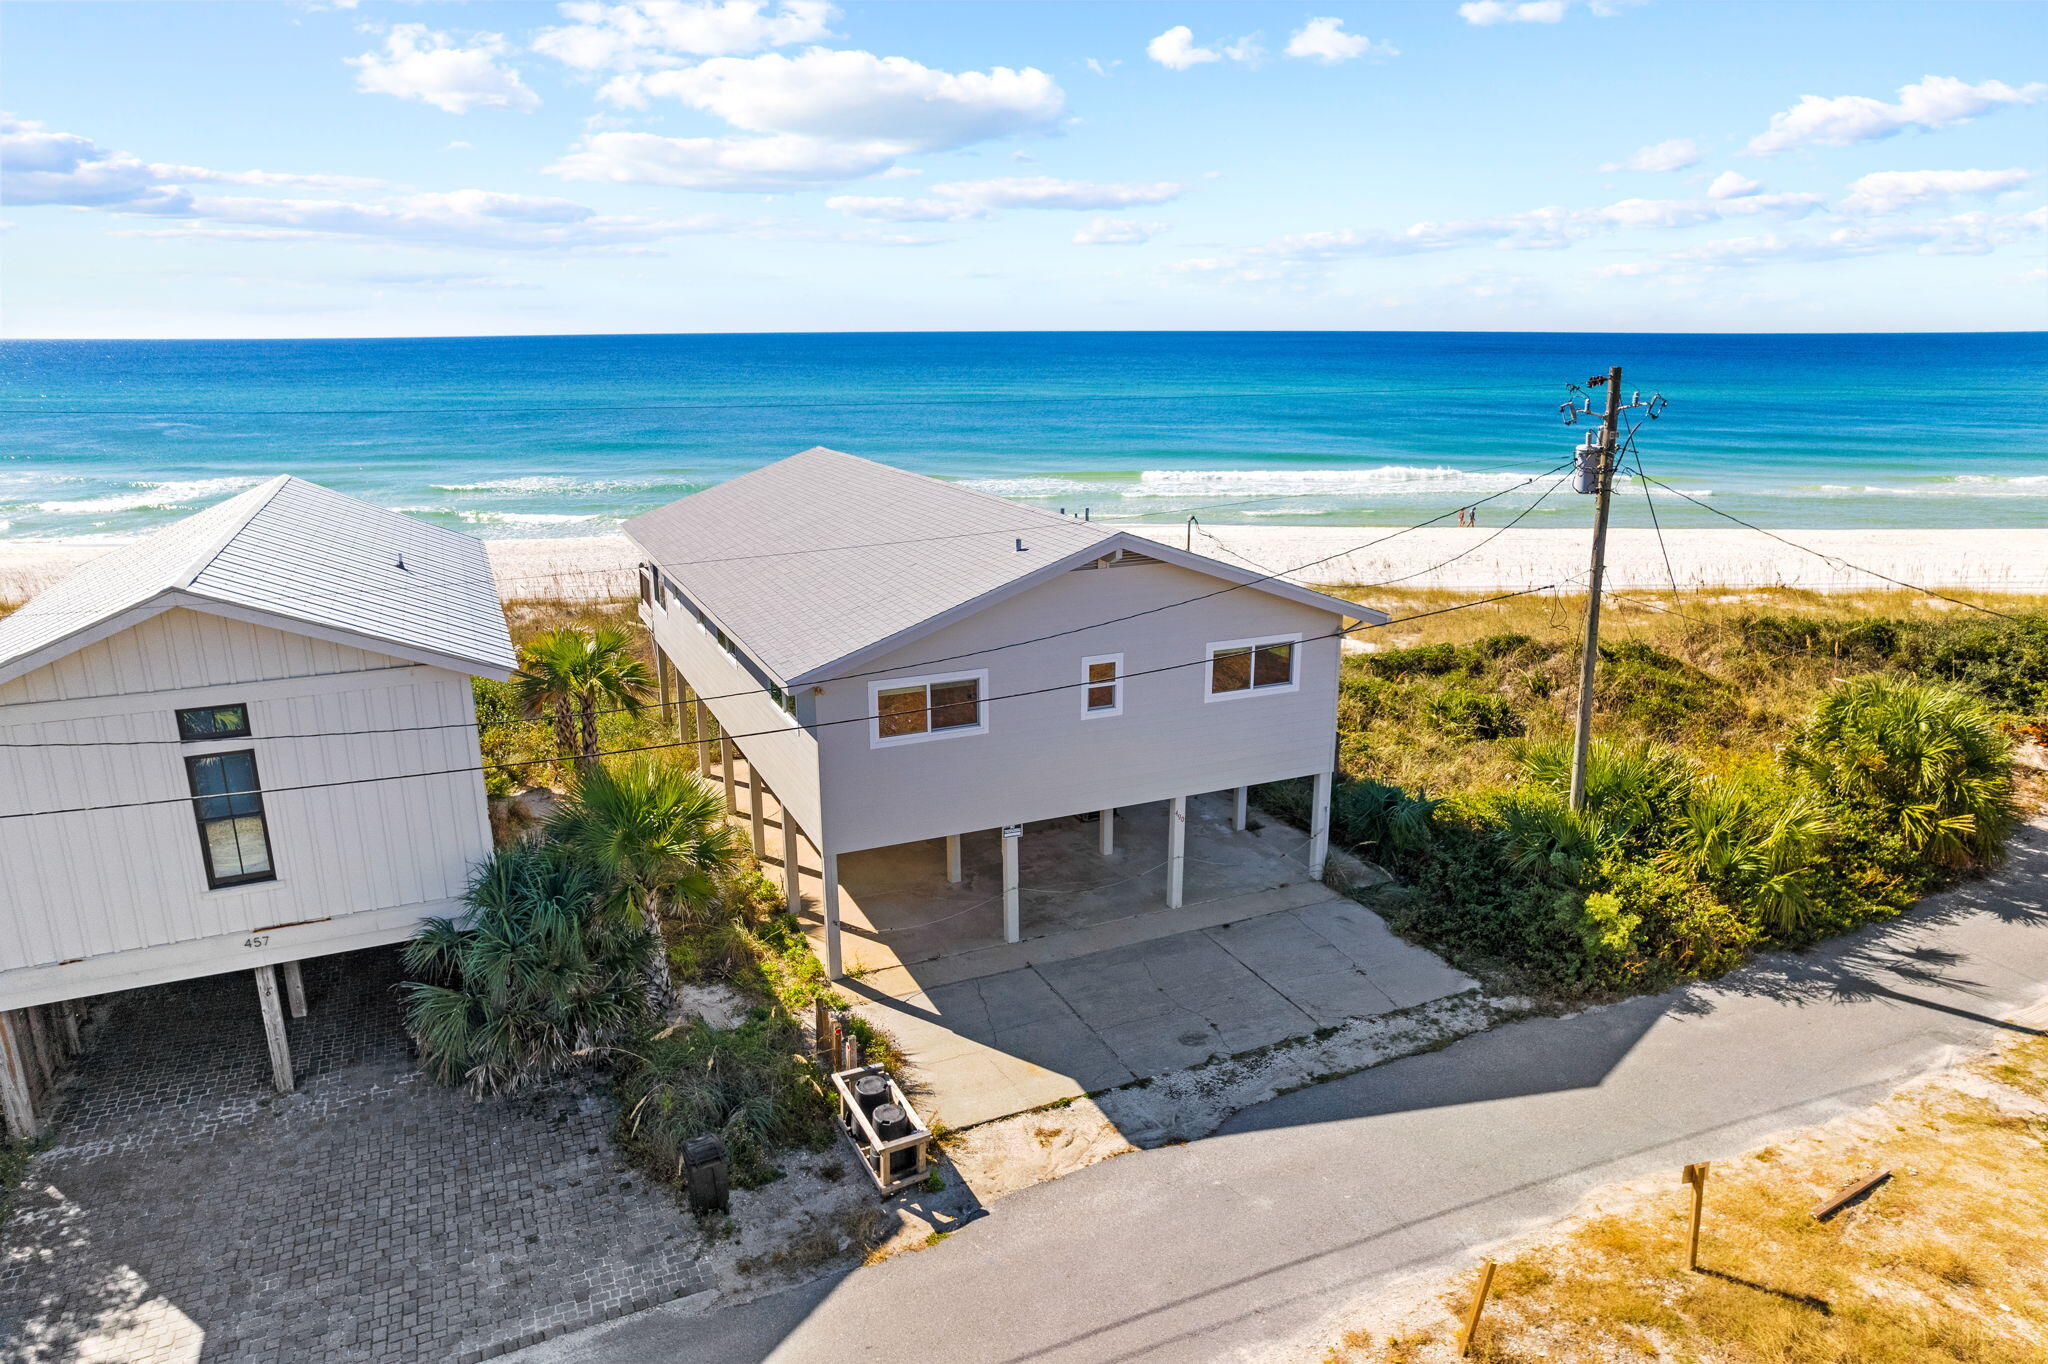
(294, 989)
(73, 1013)
(1176, 850)
(1319, 825)
(953, 858)
(726, 752)
(757, 819)
(1013, 919)
(273, 1029)
(1105, 832)
(1242, 819)
(792, 882)
(828, 866)
(17, 1101)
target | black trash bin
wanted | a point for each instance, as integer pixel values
(707, 1169)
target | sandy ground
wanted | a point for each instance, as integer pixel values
(1448, 557)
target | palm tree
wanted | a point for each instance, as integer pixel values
(545, 965)
(1930, 760)
(572, 674)
(659, 831)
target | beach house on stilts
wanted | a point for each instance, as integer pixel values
(902, 660)
(243, 741)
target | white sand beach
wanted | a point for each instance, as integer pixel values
(1440, 556)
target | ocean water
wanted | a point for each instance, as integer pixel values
(552, 436)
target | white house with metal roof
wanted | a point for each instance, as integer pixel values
(245, 740)
(902, 658)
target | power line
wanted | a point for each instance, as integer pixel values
(686, 743)
(1835, 558)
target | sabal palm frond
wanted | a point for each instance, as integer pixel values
(1930, 759)
(659, 831)
(1627, 786)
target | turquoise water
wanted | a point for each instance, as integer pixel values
(515, 436)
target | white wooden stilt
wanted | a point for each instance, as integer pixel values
(1319, 826)
(42, 1050)
(953, 858)
(1176, 850)
(73, 1013)
(792, 874)
(294, 989)
(1242, 819)
(829, 901)
(1013, 919)
(17, 1101)
(273, 1029)
(1105, 832)
(725, 757)
(661, 678)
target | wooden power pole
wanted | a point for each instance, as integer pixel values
(1582, 734)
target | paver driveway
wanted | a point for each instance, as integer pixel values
(185, 1212)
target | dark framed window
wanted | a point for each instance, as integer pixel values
(927, 707)
(213, 722)
(227, 802)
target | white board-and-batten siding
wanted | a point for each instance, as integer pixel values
(1041, 758)
(112, 899)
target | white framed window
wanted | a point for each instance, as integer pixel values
(910, 710)
(1254, 667)
(1104, 693)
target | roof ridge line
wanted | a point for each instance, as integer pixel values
(187, 577)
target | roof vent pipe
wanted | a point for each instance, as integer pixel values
(1020, 545)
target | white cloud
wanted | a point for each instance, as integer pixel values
(1488, 12)
(825, 116)
(1100, 67)
(1729, 185)
(1324, 40)
(1892, 191)
(1673, 155)
(906, 210)
(732, 164)
(1176, 48)
(419, 63)
(1930, 102)
(39, 166)
(1118, 232)
(1044, 191)
(1971, 234)
(459, 146)
(659, 33)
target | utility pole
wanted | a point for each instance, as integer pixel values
(1603, 489)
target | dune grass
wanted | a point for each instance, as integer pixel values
(1942, 1263)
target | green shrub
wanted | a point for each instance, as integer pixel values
(1631, 789)
(1660, 694)
(1474, 715)
(1758, 840)
(548, 962)
(750, 1084)
(1929, 762)
(1650, 926)
(1424, 660)
(1383, 822)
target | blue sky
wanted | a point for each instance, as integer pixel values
(381, 169)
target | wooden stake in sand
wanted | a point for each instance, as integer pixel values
(1696, 1175)
(1478, 1306)
(1848, 1194)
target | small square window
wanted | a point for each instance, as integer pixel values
(213, 722)
(1103, 693)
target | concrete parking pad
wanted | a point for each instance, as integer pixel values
(989, 1046)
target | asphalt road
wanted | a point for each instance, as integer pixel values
(1232, 1247)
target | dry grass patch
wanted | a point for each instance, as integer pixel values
(1944, 1262)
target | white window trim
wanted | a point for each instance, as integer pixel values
(928, 680)
(1209, 692)
(1087, 686)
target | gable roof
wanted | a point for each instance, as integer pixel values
(296, 553)
(822, 559)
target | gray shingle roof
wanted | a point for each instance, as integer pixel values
(299, 551)
(817, 557)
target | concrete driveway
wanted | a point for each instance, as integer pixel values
(995, 1045)
(1241, 1246)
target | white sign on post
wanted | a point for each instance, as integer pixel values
(1013, 831)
